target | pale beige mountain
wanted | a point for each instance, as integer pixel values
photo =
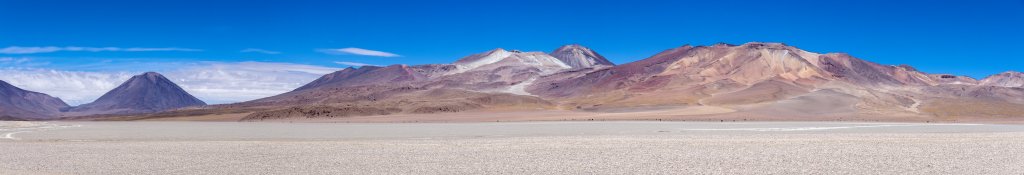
(1005, 79)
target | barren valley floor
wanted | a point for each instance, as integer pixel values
(625, 147)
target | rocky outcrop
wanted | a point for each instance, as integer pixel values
(953, 79)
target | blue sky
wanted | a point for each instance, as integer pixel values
(974, 38)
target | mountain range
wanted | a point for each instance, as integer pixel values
(753, 80)
(757, 80)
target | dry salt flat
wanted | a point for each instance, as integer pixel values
(510, 148)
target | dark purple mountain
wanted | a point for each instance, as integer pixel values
(145, 93)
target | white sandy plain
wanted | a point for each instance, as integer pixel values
(510, 148)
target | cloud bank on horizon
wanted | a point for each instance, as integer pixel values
(212, 82)
(81, 80)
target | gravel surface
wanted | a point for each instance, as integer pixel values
(511, 148)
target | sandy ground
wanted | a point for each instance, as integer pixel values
(510, 148)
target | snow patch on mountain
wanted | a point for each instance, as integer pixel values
(474, 61)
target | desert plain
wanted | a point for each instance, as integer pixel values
(543, 147)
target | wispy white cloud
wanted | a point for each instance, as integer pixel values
(48, 49)
(255, 50)
(359, 51)
(213, 82)
(14, 60)
(354, 64)
(20, 62)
